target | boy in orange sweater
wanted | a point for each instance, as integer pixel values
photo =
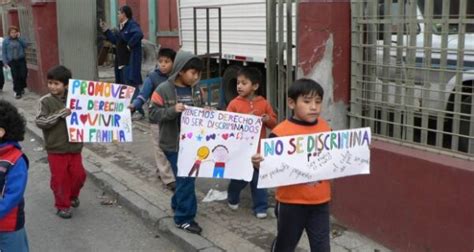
(248, 81)
(302, 206)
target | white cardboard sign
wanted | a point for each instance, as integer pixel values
(99, 112)
(309, 158)
(217, 144)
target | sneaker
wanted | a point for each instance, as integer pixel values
(17, 96)
(191, 227)
(137, 117)
(64, 213)
(233, 206)
(75, 202)
(171, 186)
(261, 215)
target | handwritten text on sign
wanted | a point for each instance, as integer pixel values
(217, 144)
(308, 158)
(99, 112)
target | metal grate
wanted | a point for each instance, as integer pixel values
(413, 72)
(27, 31)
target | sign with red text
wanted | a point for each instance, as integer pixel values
(99, 112)
(309, 158)
(217, 144)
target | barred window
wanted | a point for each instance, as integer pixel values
(27, 31)
(413, 72)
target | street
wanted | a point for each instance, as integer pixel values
(94, 227)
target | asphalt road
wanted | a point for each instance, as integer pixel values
(94, 227)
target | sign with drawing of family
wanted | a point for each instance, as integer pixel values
(99, 112)
(310, 158)
(217, 144)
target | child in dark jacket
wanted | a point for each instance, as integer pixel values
(159, 75)
(65, 161)
(168, 102)
(13, 178)
(248, 81)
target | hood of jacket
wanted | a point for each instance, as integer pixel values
(182, 57)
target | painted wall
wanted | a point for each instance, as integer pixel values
(167, 15)
(140, 13)
(44, 20)
(413, 200)
(1, 28)
(47, 43)
(324, 54)
(13, 18)
(167, 19)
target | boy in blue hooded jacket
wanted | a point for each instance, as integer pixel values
(155, 78)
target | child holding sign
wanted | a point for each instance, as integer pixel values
(168, 101)
(302, 206)
(248, 81)
(65, 161)
(165, 62)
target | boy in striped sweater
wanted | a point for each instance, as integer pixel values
(65, 160)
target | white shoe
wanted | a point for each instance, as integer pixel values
(233, 207)
(137, 117)
(261, 215)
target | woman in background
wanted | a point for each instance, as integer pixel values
(13, 54)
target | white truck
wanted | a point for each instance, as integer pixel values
(244, 35)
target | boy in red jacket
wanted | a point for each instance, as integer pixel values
(248, 81)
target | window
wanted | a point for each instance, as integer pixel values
(453, 6)
(416, 87)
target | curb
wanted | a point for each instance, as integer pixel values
(151, 215)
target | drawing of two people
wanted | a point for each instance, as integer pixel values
(220, 155)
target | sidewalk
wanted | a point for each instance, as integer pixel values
(127, 171)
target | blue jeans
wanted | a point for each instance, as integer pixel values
(259, 196)
(14, 241)
(184, 201)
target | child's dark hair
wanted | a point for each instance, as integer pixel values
(12, 121)
(251, 73)
(303, 87)
(194, 63)
(167, 52)
(59, 73)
